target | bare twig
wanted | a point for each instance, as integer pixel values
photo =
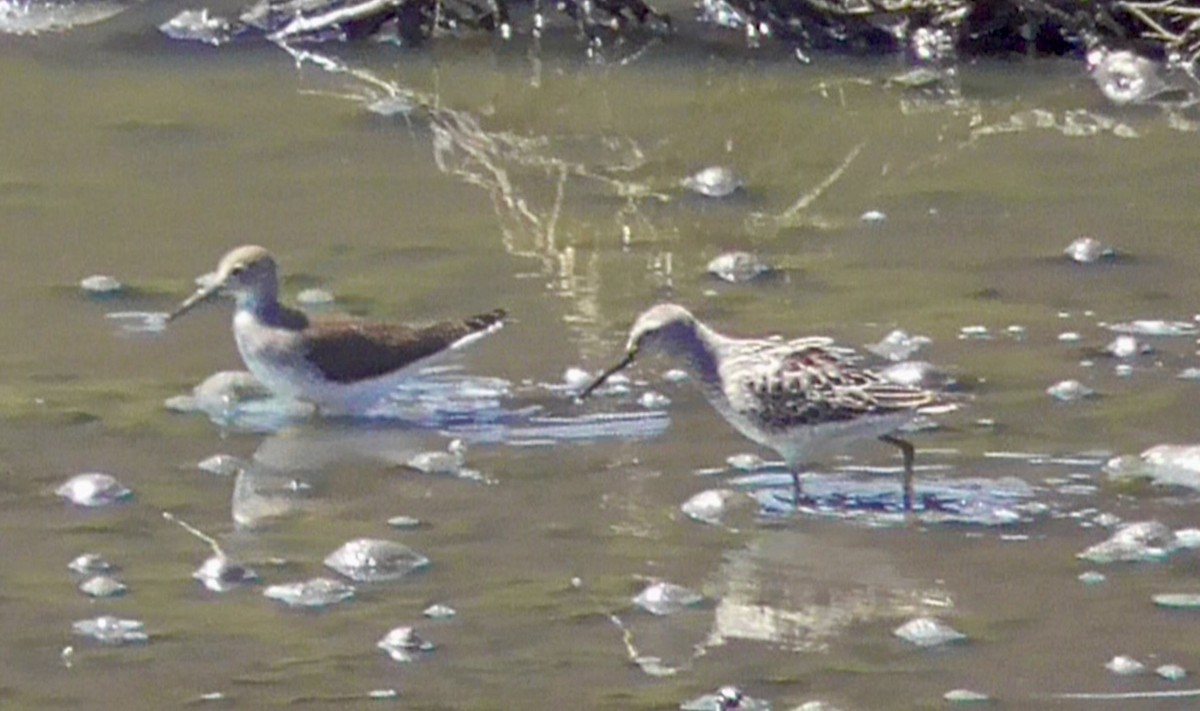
(212, 543)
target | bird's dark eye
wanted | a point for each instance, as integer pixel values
(238, 269)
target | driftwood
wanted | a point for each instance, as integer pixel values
(931, 29)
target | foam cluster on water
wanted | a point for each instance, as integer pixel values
(450, 462)
(31, 17)
(898, 345)
(738, 267)
(1143, 541)
(403, 644)
(219, 573)
(727, 698)
(375, 560)
(1163, 464)
(235, 398)
(708, 506)
(665, 598)
(928, 632)
(110, 630)
(102, 586)
(314, 593)
(90, 564)
(93, 490)
(198, 26)
(716, 181)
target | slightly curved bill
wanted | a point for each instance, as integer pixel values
(202, 295)
(625, 363)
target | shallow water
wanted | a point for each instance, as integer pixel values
(538, 180)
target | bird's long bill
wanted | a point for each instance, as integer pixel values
(625, 363)
(202, 295)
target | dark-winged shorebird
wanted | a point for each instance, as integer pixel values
(803, 398)
(341, 365)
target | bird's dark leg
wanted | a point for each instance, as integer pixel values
(795, 489)
(909, 453)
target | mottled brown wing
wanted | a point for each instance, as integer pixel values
(348, 351)
(815, 384)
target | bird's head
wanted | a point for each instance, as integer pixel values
(665, 328)
(247, 272)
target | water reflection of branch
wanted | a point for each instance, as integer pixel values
(791, 216)
(465, 149)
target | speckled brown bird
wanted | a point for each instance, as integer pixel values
(803, 398)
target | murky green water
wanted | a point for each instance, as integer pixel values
(546, 183)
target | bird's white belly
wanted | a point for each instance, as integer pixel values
(803, 444)
(276, 358)
(271, 355)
